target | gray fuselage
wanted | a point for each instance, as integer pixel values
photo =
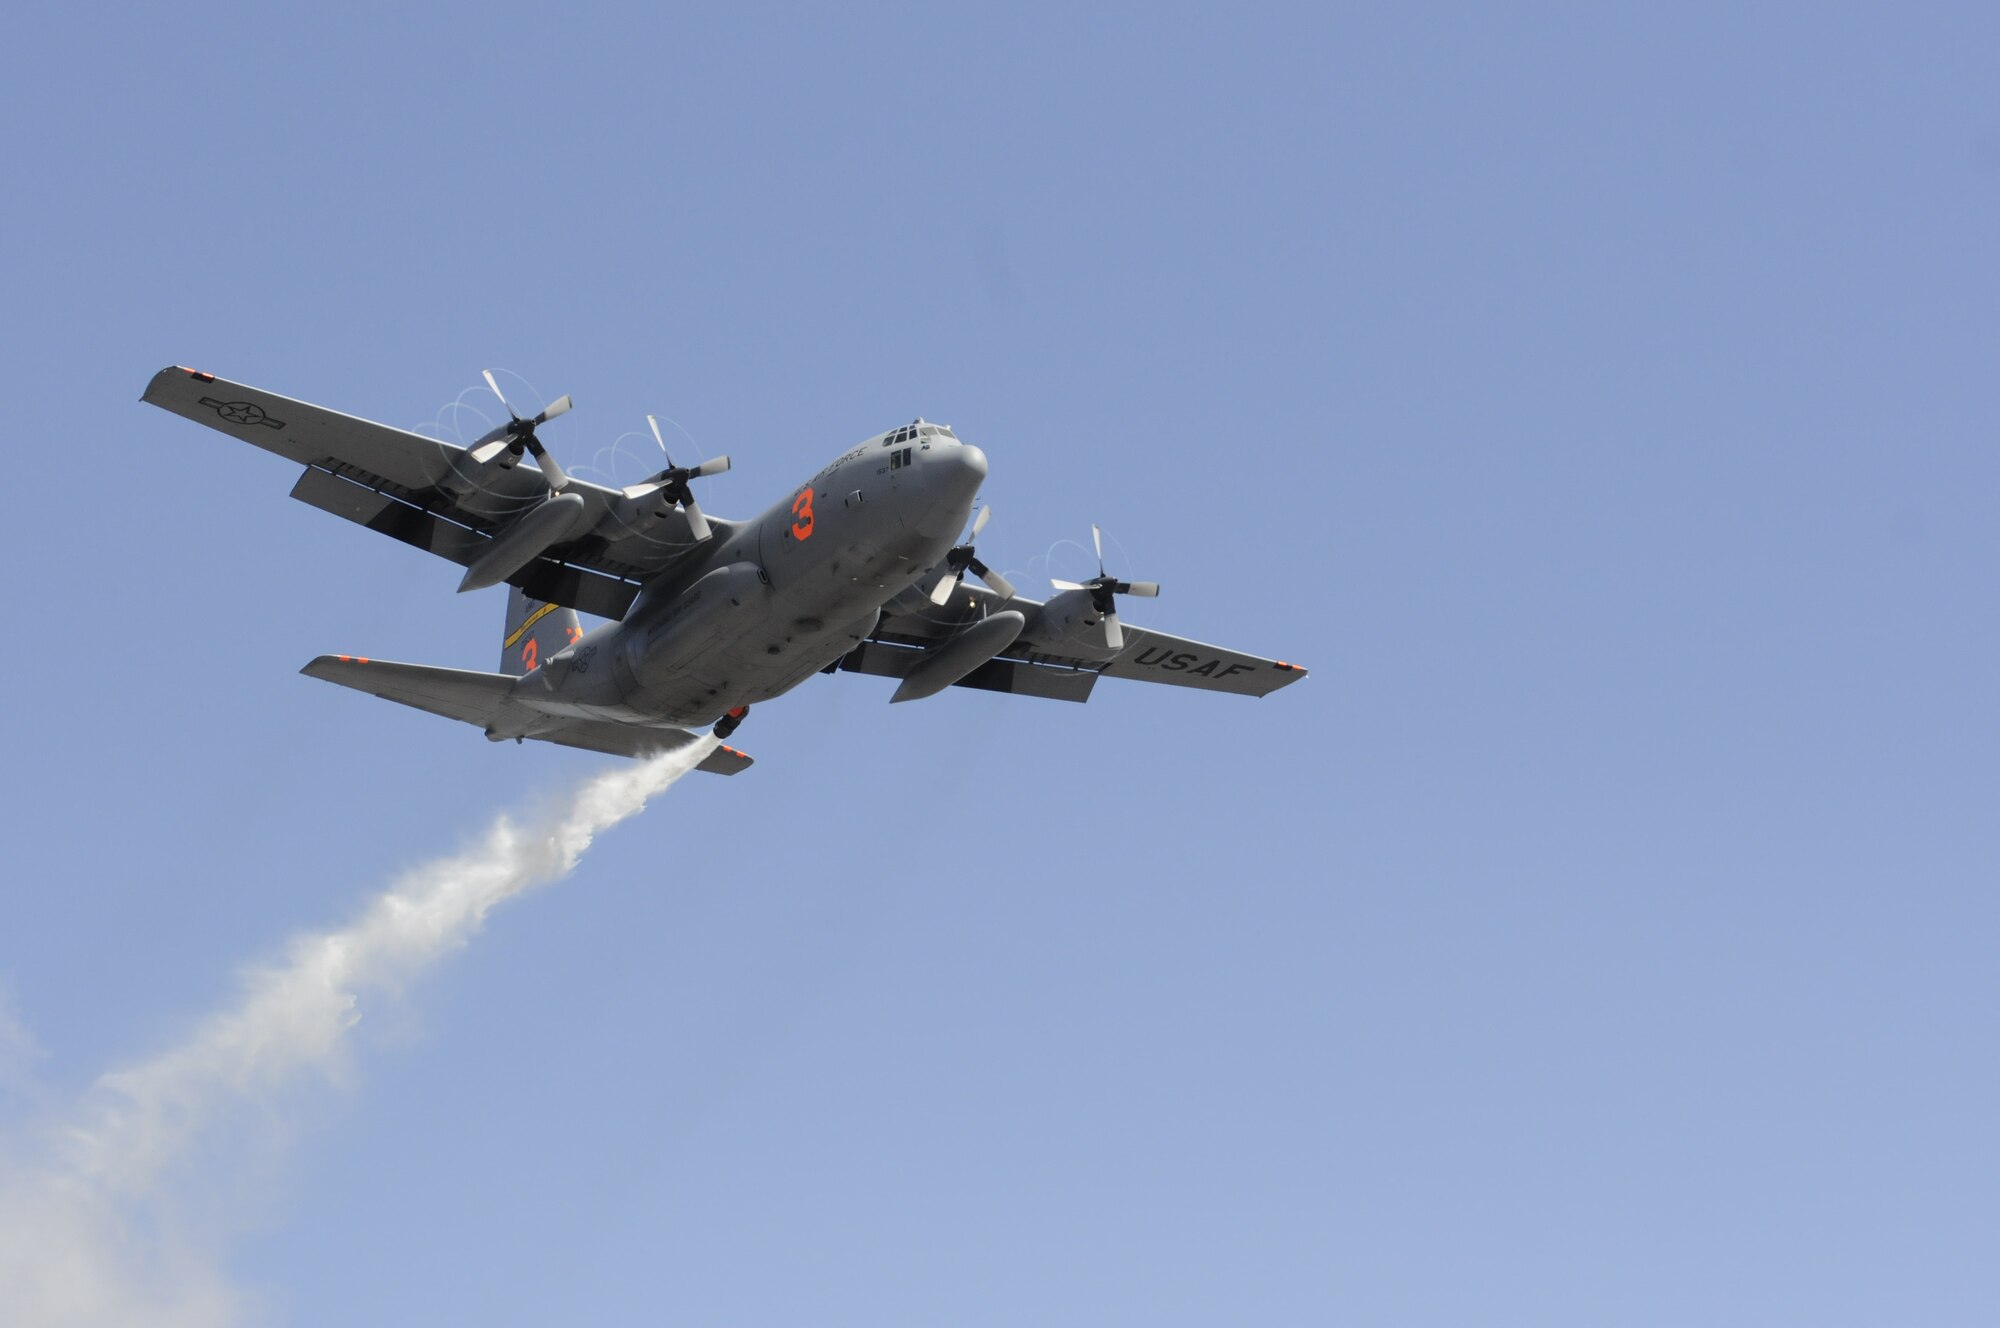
(777, 600)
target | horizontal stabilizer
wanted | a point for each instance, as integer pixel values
(479, 698)
(454, 693)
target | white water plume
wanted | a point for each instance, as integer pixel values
(95, 1225)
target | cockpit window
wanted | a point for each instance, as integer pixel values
(908, 432)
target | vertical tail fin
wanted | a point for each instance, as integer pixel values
(535, 632)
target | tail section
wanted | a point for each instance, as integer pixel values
(482, 699)
(535, 632)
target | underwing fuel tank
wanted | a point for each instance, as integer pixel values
(521, 543)
(961, 655)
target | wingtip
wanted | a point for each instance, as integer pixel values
(322, 665)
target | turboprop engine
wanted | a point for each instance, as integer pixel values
(501, 448)
(1087, 614)
(1071, 620)
(644, 507)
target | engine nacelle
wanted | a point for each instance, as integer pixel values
(1070, 624)
(647, 515)
(466, 477)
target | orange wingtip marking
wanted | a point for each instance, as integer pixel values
(1291, 668)
(352, 659)
(732, 751)
(197, 375)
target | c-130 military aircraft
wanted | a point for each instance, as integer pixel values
(859, 569)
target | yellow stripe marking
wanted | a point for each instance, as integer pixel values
(533, 618)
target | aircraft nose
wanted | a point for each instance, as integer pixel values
(952, 476)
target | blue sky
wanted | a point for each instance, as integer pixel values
(1599, 402)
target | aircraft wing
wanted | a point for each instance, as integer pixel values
(1064, 670)
(391, 480)
(1151, 656)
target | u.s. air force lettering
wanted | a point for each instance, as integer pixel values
(1166, 658)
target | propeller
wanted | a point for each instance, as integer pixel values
(673, 481)
(1103, 588)
(962, 559)
(518, 435)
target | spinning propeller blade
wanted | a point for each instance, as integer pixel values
(995, 582)
(550, 467)
(963, 559)
(518, 435)
(491, 382)
(674, 482)
(1104, 590)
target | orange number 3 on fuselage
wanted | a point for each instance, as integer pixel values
(802, 508)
